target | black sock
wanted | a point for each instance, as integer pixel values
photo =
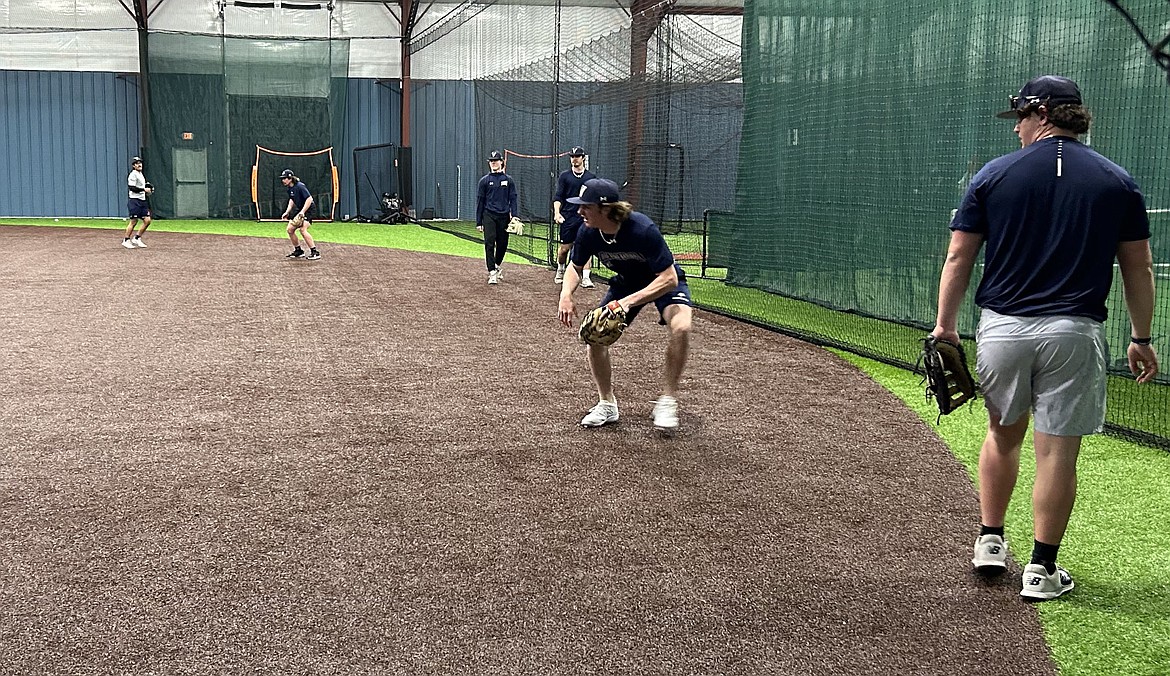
(1045, 555)
(990, 530)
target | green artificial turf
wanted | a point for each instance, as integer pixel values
(1117, 620)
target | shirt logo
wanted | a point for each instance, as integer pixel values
(503, 183)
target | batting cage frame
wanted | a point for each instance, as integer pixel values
(304, 168)
(379, 170)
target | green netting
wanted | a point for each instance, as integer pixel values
(230, 95)
(865, 121)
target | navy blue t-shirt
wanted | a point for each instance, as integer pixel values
(637, 254)
(569, 185)
(1052, 215)
(497, 193)
(299, 194)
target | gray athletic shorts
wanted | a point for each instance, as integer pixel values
(1053, 366)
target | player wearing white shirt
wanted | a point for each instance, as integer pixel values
(138, 188)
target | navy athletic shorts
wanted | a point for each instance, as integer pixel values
(137, 208)
(680, 295)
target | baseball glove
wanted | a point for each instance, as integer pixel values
(515, 227)
(603, 325)
(948, 377)
(297, 221)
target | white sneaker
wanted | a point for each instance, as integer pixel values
(137, 241)
(1040, 586)
(990, 555)
(126, 243)
(586, 283)
(665, 414)
(604, 413)
(559, 278)
(493, 277)
(499, 272)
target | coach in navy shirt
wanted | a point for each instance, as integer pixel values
(1054, 215)
(631, 245)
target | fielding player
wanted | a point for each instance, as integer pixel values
(565, 213)
(631, 245)
(137, 205)
(299, 203)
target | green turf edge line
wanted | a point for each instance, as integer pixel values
(1117, 620)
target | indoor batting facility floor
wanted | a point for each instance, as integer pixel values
(215, 460)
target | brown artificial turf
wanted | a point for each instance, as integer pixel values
(214, 460)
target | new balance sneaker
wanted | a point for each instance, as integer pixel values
(296, 253)
(1039, 585)
(604, 413)
(586, 282)
(990, 555)
(137, 241)
(126, 243)
(494, 277)
(559, 278)
(665, 414)
(313, 255)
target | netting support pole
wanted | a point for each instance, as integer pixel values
(553, 238)
(645, 16)
(141, 17)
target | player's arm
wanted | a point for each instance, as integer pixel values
(663, 283)
(480, 200)
(1137, 278)
(308, 204)
(288, 210)
(566, 309)
(514, 199)
(952, 286)
(559, 197)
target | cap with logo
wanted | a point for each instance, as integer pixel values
(597, 191)
(135, 160)
(494, 156)
(577, 151)
(287, 173)
(1049, 90)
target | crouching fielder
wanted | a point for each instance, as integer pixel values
(298, 215)
(631, 245)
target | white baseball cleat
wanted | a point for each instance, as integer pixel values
(1040, 585)
(665, 414)
(604, 413)
(990, 555)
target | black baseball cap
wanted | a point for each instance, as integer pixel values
(1049, 90)
(577, 151)
(495, 155)
(597, 191)
(287, 173)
